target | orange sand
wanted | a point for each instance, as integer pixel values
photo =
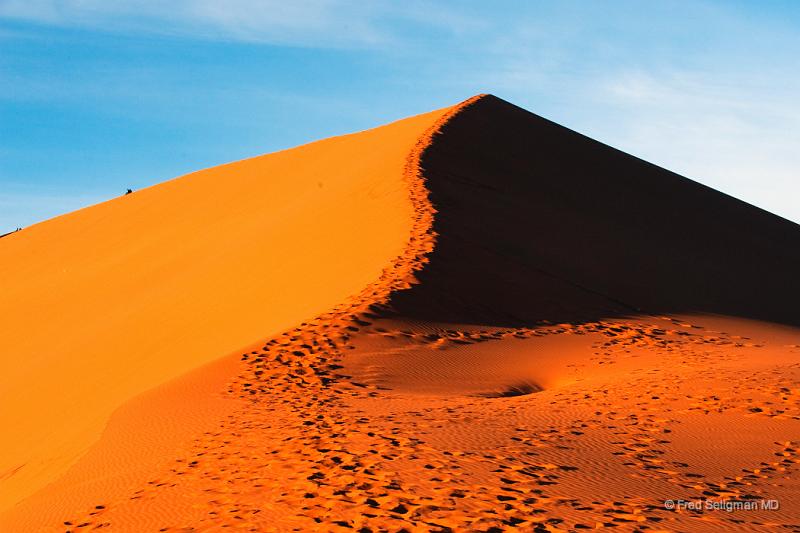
(107, 302)
(434, 340)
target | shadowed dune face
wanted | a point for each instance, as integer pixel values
(537, 222)
(104, 303)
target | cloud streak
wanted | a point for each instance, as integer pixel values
(324, 23)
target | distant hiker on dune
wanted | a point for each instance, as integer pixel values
(128, 192)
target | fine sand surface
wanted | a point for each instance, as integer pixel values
(470, 320)
(107, 302)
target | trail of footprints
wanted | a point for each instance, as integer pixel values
(299, 452)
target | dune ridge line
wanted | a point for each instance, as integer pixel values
(297, 366)
(399, 275)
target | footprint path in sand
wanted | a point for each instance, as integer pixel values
(300, 447)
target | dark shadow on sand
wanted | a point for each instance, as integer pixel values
(537, 222)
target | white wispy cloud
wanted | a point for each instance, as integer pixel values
(331, 23)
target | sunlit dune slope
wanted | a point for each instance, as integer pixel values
(112, 300)
(560, 227)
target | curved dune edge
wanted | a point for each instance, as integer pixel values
(141, 438)
(329, 329)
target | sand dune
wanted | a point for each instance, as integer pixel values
(471, 320)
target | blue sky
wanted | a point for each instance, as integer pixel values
(97, 96)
